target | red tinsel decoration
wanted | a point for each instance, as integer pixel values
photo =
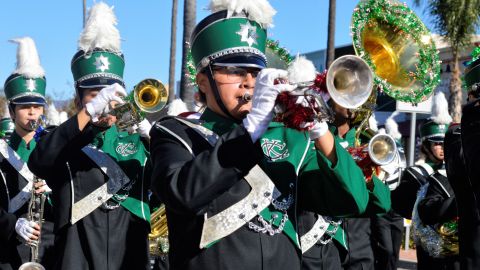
(320, 83)
(363, 160)
(295, 115)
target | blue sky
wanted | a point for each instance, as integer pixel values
(55, 25)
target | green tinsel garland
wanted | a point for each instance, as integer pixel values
(401, 17)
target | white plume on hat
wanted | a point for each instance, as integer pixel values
(53, 118)
(372, 122)
(440, 113)
(177, 107)
(63, 116)
(28, 61)
(100, 30)
(257, 10)
(6, 111)
(391, 127)
(301, 70)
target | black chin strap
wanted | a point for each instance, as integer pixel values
(218, 99)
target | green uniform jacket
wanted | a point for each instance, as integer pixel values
(290, 160)
(379, 198)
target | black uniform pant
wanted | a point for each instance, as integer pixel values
(360, 253)
(322, 257)
(387, 231)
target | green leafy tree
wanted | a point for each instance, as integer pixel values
(456, 21)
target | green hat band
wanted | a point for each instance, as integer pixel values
(228, 36)
(472, 76)
(432, 129)
(18, 86)
(97, 64)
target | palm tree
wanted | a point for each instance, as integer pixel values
(189, 17)
(331, 32)
(173, 46)
(84, 11)
(456, 21)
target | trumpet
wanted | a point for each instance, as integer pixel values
(348, 81)
(148, 96)
(380, 151)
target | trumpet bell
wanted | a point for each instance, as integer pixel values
(349, 81)
(382, 149)
(150, 95)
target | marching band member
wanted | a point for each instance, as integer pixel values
(435, 203)
(25, 92)
(357, 229)
(387, 230)
(234, 182)
(96, 172)
(461, 161)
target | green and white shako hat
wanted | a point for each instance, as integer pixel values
(27, 83)
(99, 61)
(234, 35)
(471, 75)
(434, 130)
(6, 127)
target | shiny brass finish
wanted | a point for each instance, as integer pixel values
(349, 81)
(394, 55)
(148, 96)
(382, 149)
(158, 236)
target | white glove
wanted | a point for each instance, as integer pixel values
(101, 102)
(263, 102)
(318, 130)
(25, 228)
(144, 128)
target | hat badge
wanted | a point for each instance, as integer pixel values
(248, 33)
(31, 85)
(102, 63)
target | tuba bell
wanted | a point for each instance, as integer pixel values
(148, 96)
(398, 47)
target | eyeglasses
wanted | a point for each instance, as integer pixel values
(437, 143)
(233, 74)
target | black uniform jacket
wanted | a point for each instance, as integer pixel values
(462, 148)
(13, 250)
(191, 188)
(439, 203)
(104, 239)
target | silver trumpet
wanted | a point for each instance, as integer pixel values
(349, 82)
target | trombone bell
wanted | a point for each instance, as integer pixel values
(382, 149)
